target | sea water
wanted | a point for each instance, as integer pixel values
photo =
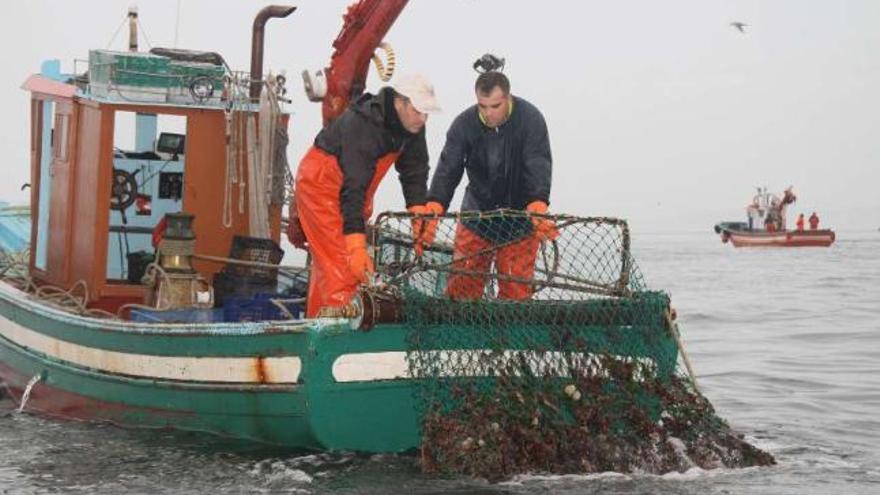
(784, 342)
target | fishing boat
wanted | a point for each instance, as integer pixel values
(84, 335)
(150, 292)
(766, 225)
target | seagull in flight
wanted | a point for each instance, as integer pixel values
(739, 25)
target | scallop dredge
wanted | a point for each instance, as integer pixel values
(582, 377)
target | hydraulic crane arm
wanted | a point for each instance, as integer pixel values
(364, 25)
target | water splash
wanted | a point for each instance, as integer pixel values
(27, 391)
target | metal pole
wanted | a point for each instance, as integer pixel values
(132, 29)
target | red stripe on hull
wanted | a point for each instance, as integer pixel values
(782, 239)
(51, 401)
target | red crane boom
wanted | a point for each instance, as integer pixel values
(365, 24)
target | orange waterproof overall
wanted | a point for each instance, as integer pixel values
(318, 188)
(473, 257)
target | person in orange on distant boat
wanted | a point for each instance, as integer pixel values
(800, 222)
(814, 221)
(772, 220)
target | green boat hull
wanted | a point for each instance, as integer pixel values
(313, 384)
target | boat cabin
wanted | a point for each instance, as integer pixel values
(114, 149)
(767, 210)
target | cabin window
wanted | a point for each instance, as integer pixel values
(123, 131)
(60, 134)
(147, 182)
(135, 132)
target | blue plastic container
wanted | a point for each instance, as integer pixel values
(258, 308)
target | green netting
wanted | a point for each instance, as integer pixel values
(184, 73)
(538, 347)
(129, 68)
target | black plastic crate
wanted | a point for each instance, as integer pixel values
(137, 265)
(254, 249)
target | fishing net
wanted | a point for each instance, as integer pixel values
(537, 346)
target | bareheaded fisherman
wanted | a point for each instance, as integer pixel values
(503, 145)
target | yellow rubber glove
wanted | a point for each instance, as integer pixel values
(359, 261)
(545, 229)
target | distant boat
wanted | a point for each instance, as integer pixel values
(739, 235)
(766, 225)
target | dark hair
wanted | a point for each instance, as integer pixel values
(490, 80)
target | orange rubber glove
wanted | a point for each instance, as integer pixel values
(418, 212)
(429, 229)
(545, 229)
(359, 261)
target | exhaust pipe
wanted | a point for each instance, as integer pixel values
(260, 20)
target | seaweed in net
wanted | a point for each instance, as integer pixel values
(545, 354)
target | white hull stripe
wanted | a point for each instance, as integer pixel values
(275, 370)
(779, 241)
(392, 365)
(760, 241)
(369, 366)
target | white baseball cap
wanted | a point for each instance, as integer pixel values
(420, 92)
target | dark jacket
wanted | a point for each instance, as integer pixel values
(508, 167)
(368, 130)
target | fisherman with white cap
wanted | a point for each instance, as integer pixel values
(338, 176)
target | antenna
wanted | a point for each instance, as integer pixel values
(177, 24)
(132, 28)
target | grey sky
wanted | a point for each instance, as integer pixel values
(659, 112)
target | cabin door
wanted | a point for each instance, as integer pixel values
(59, 202)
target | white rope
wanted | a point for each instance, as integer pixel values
(254, 185)
(673, 329)
(267, 138)
(14, 269)
(242, 155)
(229, 115)
(236, 152)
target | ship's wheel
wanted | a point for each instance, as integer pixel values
(123, 191)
